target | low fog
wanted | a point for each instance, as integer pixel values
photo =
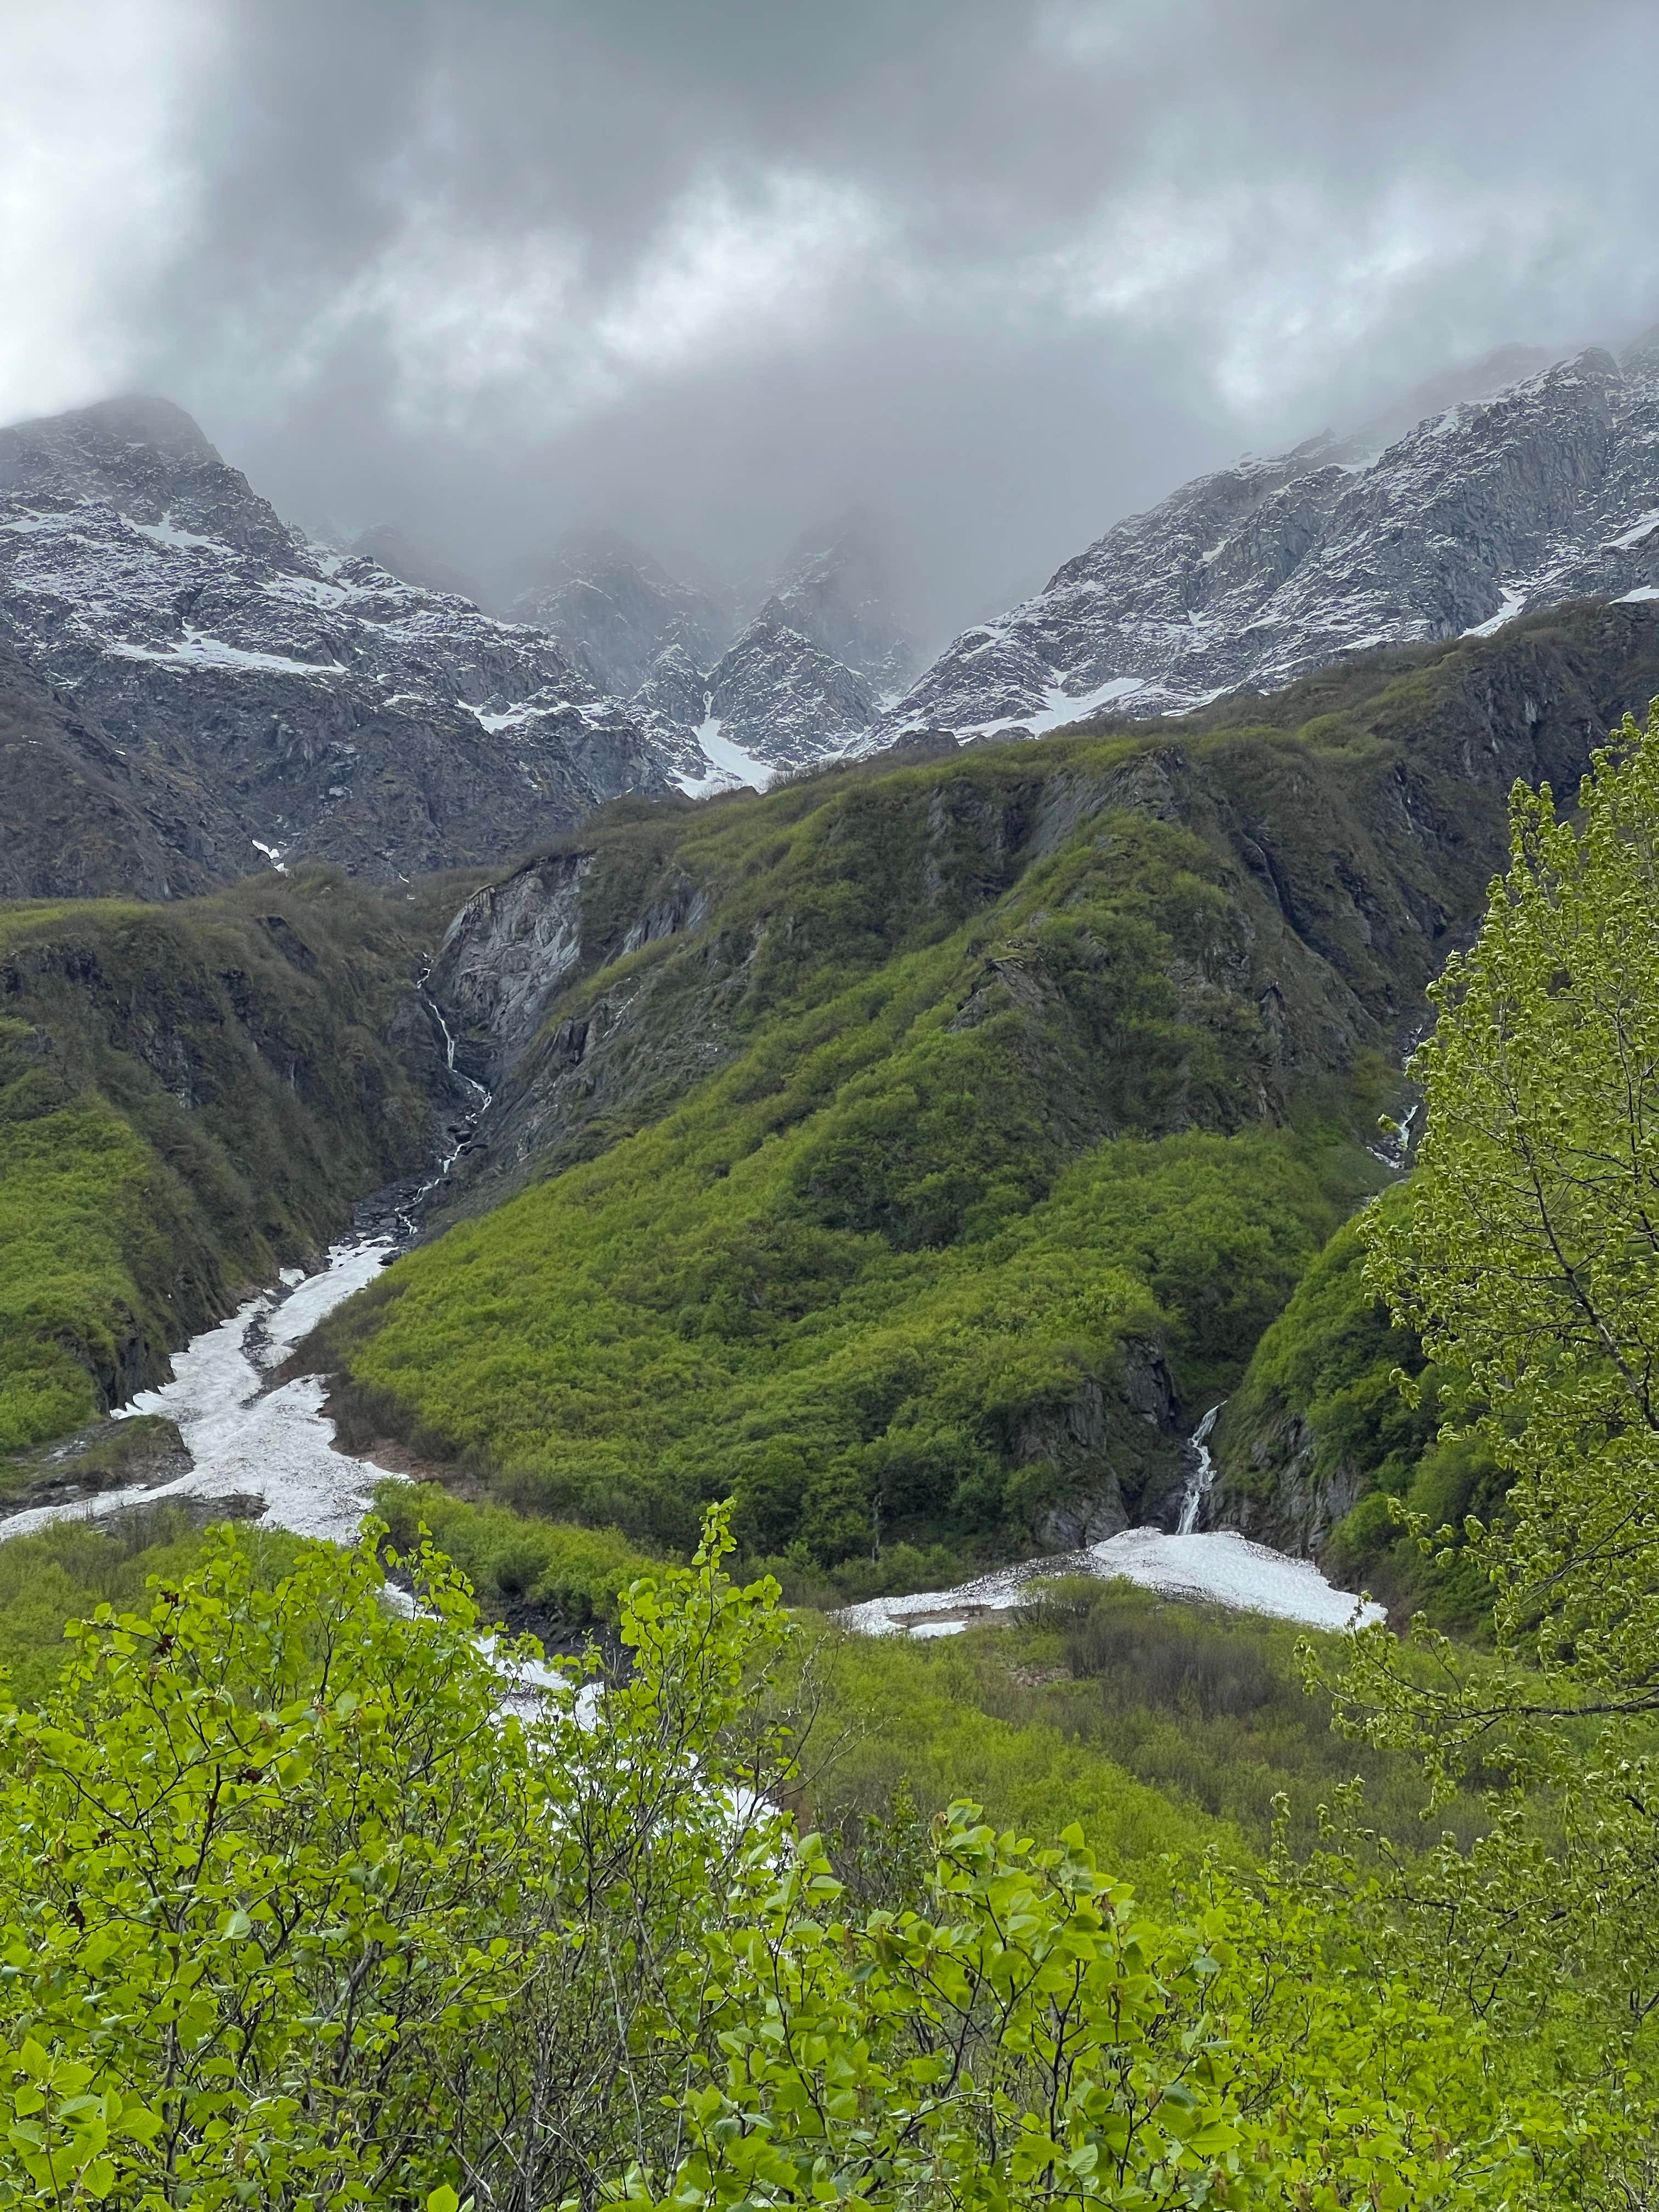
(998, 272)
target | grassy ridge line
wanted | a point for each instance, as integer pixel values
(190, 1096)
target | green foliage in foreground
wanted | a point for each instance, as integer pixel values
(190, 1095)
(308, 1927)
(67, 1570)
(1526, 1256)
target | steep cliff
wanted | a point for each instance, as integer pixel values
(1317, 1443)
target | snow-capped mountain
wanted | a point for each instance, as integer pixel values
(308, 702)
(1546, 491)
(395, 548)
(801, 681)
(615, 610)
(774, 694)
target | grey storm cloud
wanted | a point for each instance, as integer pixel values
(1002, 269)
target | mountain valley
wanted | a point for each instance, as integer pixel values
(919, 1013)
(493, 1108)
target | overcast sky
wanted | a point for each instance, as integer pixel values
(710, 269)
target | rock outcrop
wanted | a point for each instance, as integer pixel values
(615, 611)
(783, 700)
(81, 818)
(837, 591)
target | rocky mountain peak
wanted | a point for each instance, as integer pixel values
(95, 450)
(780, 699)
(836, 590)
(151, 462)
(675, 690)
(257, 699)
(1543, 491)
(615, 608)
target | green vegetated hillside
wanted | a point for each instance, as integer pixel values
(912, 1151)
(190, 1096)
(1318, 1440)
(788, 1916)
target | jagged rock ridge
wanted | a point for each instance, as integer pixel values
(802, 679)
(266, 699)
(617, 610)
(1545, 492)
(836, 592)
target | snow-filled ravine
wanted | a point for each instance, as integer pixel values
(1222, 1568)
(1219, 1568)
(249, 1440)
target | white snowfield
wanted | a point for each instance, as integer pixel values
(1219, 1569)
(248, 1441)
(731, 766)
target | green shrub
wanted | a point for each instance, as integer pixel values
(577, 1574)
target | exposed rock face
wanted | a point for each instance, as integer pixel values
(401, 554)
(617, 609)
(81, 818)
(506, 956)
(1268, 1488)
(1120, 1453)
(298, 703)
(780, 699)
(837, 591)
(675, 693)
(802, 680)
(1547, 492)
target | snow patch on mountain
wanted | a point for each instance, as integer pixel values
(731, 767)
(1542, 491)
(315, 700)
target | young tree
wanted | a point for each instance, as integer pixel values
(1526, 1256)
(294, 1912)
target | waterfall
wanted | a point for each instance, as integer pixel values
(460, 1133)
(1203, 1474)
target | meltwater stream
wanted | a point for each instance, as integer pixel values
(1220, 1567)
(249, 1441)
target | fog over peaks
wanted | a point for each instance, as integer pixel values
(998, 271)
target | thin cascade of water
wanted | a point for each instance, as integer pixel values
(462, 1133)
(1203, 1474)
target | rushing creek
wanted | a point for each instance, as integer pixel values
(250, 1441)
